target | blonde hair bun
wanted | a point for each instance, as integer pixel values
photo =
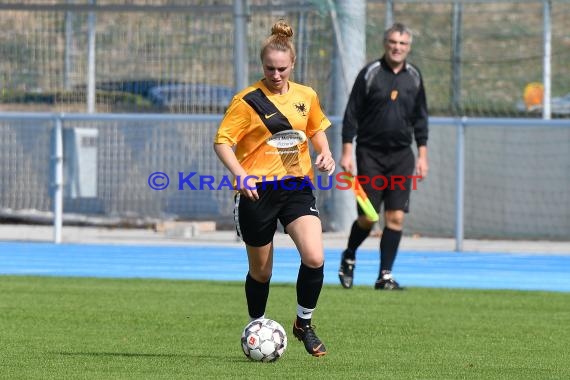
(282, 29)
(280, 39)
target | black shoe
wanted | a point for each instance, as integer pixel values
(387, 282)
(346, 271)
(306, 334)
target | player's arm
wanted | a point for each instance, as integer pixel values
(317, 123)
(235, 123)
(226, 154)
(324, 161)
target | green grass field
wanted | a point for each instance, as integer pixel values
(82, 328)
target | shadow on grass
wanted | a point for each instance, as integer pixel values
(146, 355)
(117, 354)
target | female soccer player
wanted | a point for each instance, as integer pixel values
(262, 140)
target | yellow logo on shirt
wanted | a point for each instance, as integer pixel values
(394, 94)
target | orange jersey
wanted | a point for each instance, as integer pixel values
(270, 131)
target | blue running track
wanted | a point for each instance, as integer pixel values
(549, 272)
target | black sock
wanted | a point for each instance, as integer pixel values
(309, 285)
(357, 236)
(256, 294)
(389, 248)
(302, 322)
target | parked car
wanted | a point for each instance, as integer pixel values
(194, 98)
(132, 86)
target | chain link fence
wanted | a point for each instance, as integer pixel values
(177, 57)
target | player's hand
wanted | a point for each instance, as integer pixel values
(249, 189)
(325, 163)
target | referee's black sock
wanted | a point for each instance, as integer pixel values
(256, 294)
(389, 248)
(357, 236)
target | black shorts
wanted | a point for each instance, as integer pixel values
(287, 200)
(389, 173)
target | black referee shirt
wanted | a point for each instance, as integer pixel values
(385, 109)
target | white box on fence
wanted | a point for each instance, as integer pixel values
(80, 162)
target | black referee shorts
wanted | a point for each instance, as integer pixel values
(389, 173)
(287, 200)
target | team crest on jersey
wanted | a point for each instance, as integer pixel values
(301, 108)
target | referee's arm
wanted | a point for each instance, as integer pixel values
(421, 132)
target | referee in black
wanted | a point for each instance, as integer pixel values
(386, 111)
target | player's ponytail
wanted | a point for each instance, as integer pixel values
(281, 39)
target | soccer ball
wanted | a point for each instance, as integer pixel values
(263, 340)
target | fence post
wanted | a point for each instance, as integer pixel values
(91, 73)
(349, 20)
(57, 159)
(456, 37)
(241, 73)
(460, 183)
(547, 62)
(389, 14)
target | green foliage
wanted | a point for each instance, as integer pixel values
(62, 328)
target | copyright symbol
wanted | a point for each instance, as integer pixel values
(158, 181)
